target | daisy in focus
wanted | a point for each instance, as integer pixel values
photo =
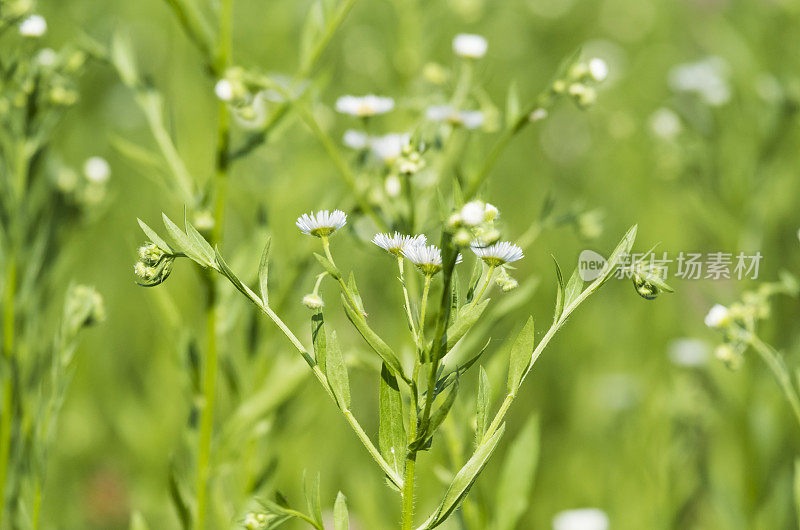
(427, 258)
(364, 106)
(322, 223)
(395, 243)
(497, 254)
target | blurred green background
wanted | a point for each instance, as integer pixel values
(653, 443)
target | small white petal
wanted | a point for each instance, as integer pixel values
(97, 169)
(33, 26)
(470, 46)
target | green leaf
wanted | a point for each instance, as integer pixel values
(263, 273)
(440, 414)
(311, 493)
(574, 288)
(521, 353)
(391, 430)
(482, 406)
(559, 292)
(372, 338)
(318, 339)
(466, 319)
(336, 371)
(182, 241)
(341, 519)
(152, 236)
(330, 267)
(351, 284)
(512, 104)
(464, 480)
(123, 59)
(137, 522)
(179, 499)
(516, 477)
(204, 249)
(623, 248)
(477, 273)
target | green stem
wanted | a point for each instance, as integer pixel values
(407, 517)
(9, 322)
(424, 308)
(485, 285)
(222, 62)
(773, 359)
(407, 303)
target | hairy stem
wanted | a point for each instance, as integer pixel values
(407, 303)
(775, 363)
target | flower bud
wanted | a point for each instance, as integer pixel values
(729, 355)
(718, 316)
(313, 301)
(473, 213)
(462, 237)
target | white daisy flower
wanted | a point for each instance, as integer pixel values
(389, 146)
(598, 69)
(395, 243)
(322, 223)
(33, 26)
(688, 352)
(708, 78)
(473, 213)
(469, 46)
(497, 254)
(47, 57)
(581, 519)
(718, 316)
(469, 119)
(97, 170)
(355, 139)
(427, 258)
(392, 185)
(665, 124)
(364, 106)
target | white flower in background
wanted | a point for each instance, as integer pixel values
(392, 185)
(389, 146)
(717, 316)
(427, 258)
(355, 139)
(497, 254)
(469, 119)
(707, 78)
(598, 69)
(581, 519)
(395, 243)
(97, 170)
(322, 223)
(47, 57)
(473, 213)
(538, 114)
(33, 26)
(665, 124)
(469, 46)
(364, 106)
(224, 90)
(688, 352)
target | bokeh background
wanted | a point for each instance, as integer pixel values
(654, 443)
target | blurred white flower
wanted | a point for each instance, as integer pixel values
(364, 106)
(47, 57)
(581, 519)
(497, 254)
(717, 316)
(598, 69)
(395, 243)
(490, 212)
(389, 146)
(392, 185)
(538, 114)
(469, 46)
(224, 90)
(97, 170)
(708, 78)
(688, 352)
(355, 139)
(322, 223)
(473, 213)
(665, 124)
(33, 26)
(469, 119)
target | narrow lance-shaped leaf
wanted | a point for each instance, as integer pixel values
(319, 340)
(183, 243)
(311, 492)
(152, 236)
(573, 288)
(521, 353)
(622, 249)
(437, 417)
(391, 430)
(482, 406)
(516, 477)
(559, 292)
(466, 319)
(341, 519)
(336, 371)
(512, 104)
(351, 284)
(263, 273)
(464, 480)
(198, 241)
(328, 266)
(372, 338)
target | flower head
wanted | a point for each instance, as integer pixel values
(473, 213)
(33, 26)
(469, 46)
(427, 258)
(718, 316)
(322, 223)
(497, 254)
(581, 519)
(364, 106)
(97, 170)
(469, 119)
(598, 69)
(395, 243)
(313, 301)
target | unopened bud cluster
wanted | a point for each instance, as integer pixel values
(154, 265)
(474, 221)
(581, 80)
